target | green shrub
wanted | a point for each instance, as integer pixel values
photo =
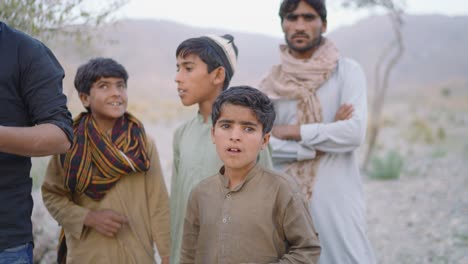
(441, 135)
(439, 152)
(420, 131)
(445, 92)
(388, 167)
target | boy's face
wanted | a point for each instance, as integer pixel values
(303, 30)
(107, 100)
(238, 137)
(194, 84)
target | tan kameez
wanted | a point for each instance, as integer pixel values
(141, 197)
(263, 220)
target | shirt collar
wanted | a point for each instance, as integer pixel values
(200, 119)
(225, 179)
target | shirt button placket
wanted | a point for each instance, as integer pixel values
(226, 217)
(224, 227)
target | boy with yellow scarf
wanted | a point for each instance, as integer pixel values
(107, 192)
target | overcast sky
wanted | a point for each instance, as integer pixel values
(261, 16)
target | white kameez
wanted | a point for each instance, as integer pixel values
(337, 205)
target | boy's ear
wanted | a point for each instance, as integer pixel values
(219, 75)
(84, 99)
(212, 135)
(266, 140)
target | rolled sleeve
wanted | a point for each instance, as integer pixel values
(290, 151)
(41, 87)
(346, 135)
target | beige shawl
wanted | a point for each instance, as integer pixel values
(300, 79)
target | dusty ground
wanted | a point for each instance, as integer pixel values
(423, 218)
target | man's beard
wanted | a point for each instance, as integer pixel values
(311, 46)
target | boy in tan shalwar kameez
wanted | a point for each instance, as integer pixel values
(107, 192)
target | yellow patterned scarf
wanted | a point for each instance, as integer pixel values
(96, 162)
(300, 79)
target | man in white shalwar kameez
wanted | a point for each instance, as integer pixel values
(320, 101)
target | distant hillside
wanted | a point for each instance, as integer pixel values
(434, 48)
(434, 52)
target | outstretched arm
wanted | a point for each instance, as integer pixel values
(36, 141)
(48, 128)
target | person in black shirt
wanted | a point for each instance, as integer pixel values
(34, 121)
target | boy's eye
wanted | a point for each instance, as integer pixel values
(224, 126)
(249, 129)
(121, 86)
(104, 86)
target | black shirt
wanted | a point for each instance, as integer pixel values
(30, 94)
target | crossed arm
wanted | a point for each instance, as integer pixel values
(286, 139)
(293, 132)
(344, 134)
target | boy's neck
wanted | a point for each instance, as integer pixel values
(205, 110)
(105, 126)
(236, 176)
(205, 107)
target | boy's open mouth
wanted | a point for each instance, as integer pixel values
(234, 150)
(181, 91)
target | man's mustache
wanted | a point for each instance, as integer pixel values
(302, 35)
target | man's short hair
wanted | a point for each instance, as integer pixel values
(249, 97)
(288, 6)
(213, 50)
(95, 69)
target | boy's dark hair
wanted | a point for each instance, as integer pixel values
(209, 52)
(288, 6)
(95, 69)
(249, 97)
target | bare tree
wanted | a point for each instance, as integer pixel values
(51, 18)
(385, 64)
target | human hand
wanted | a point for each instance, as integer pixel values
(106, 222)
(319, 153)
(165, 260)
(287, 132)
(345, 112)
